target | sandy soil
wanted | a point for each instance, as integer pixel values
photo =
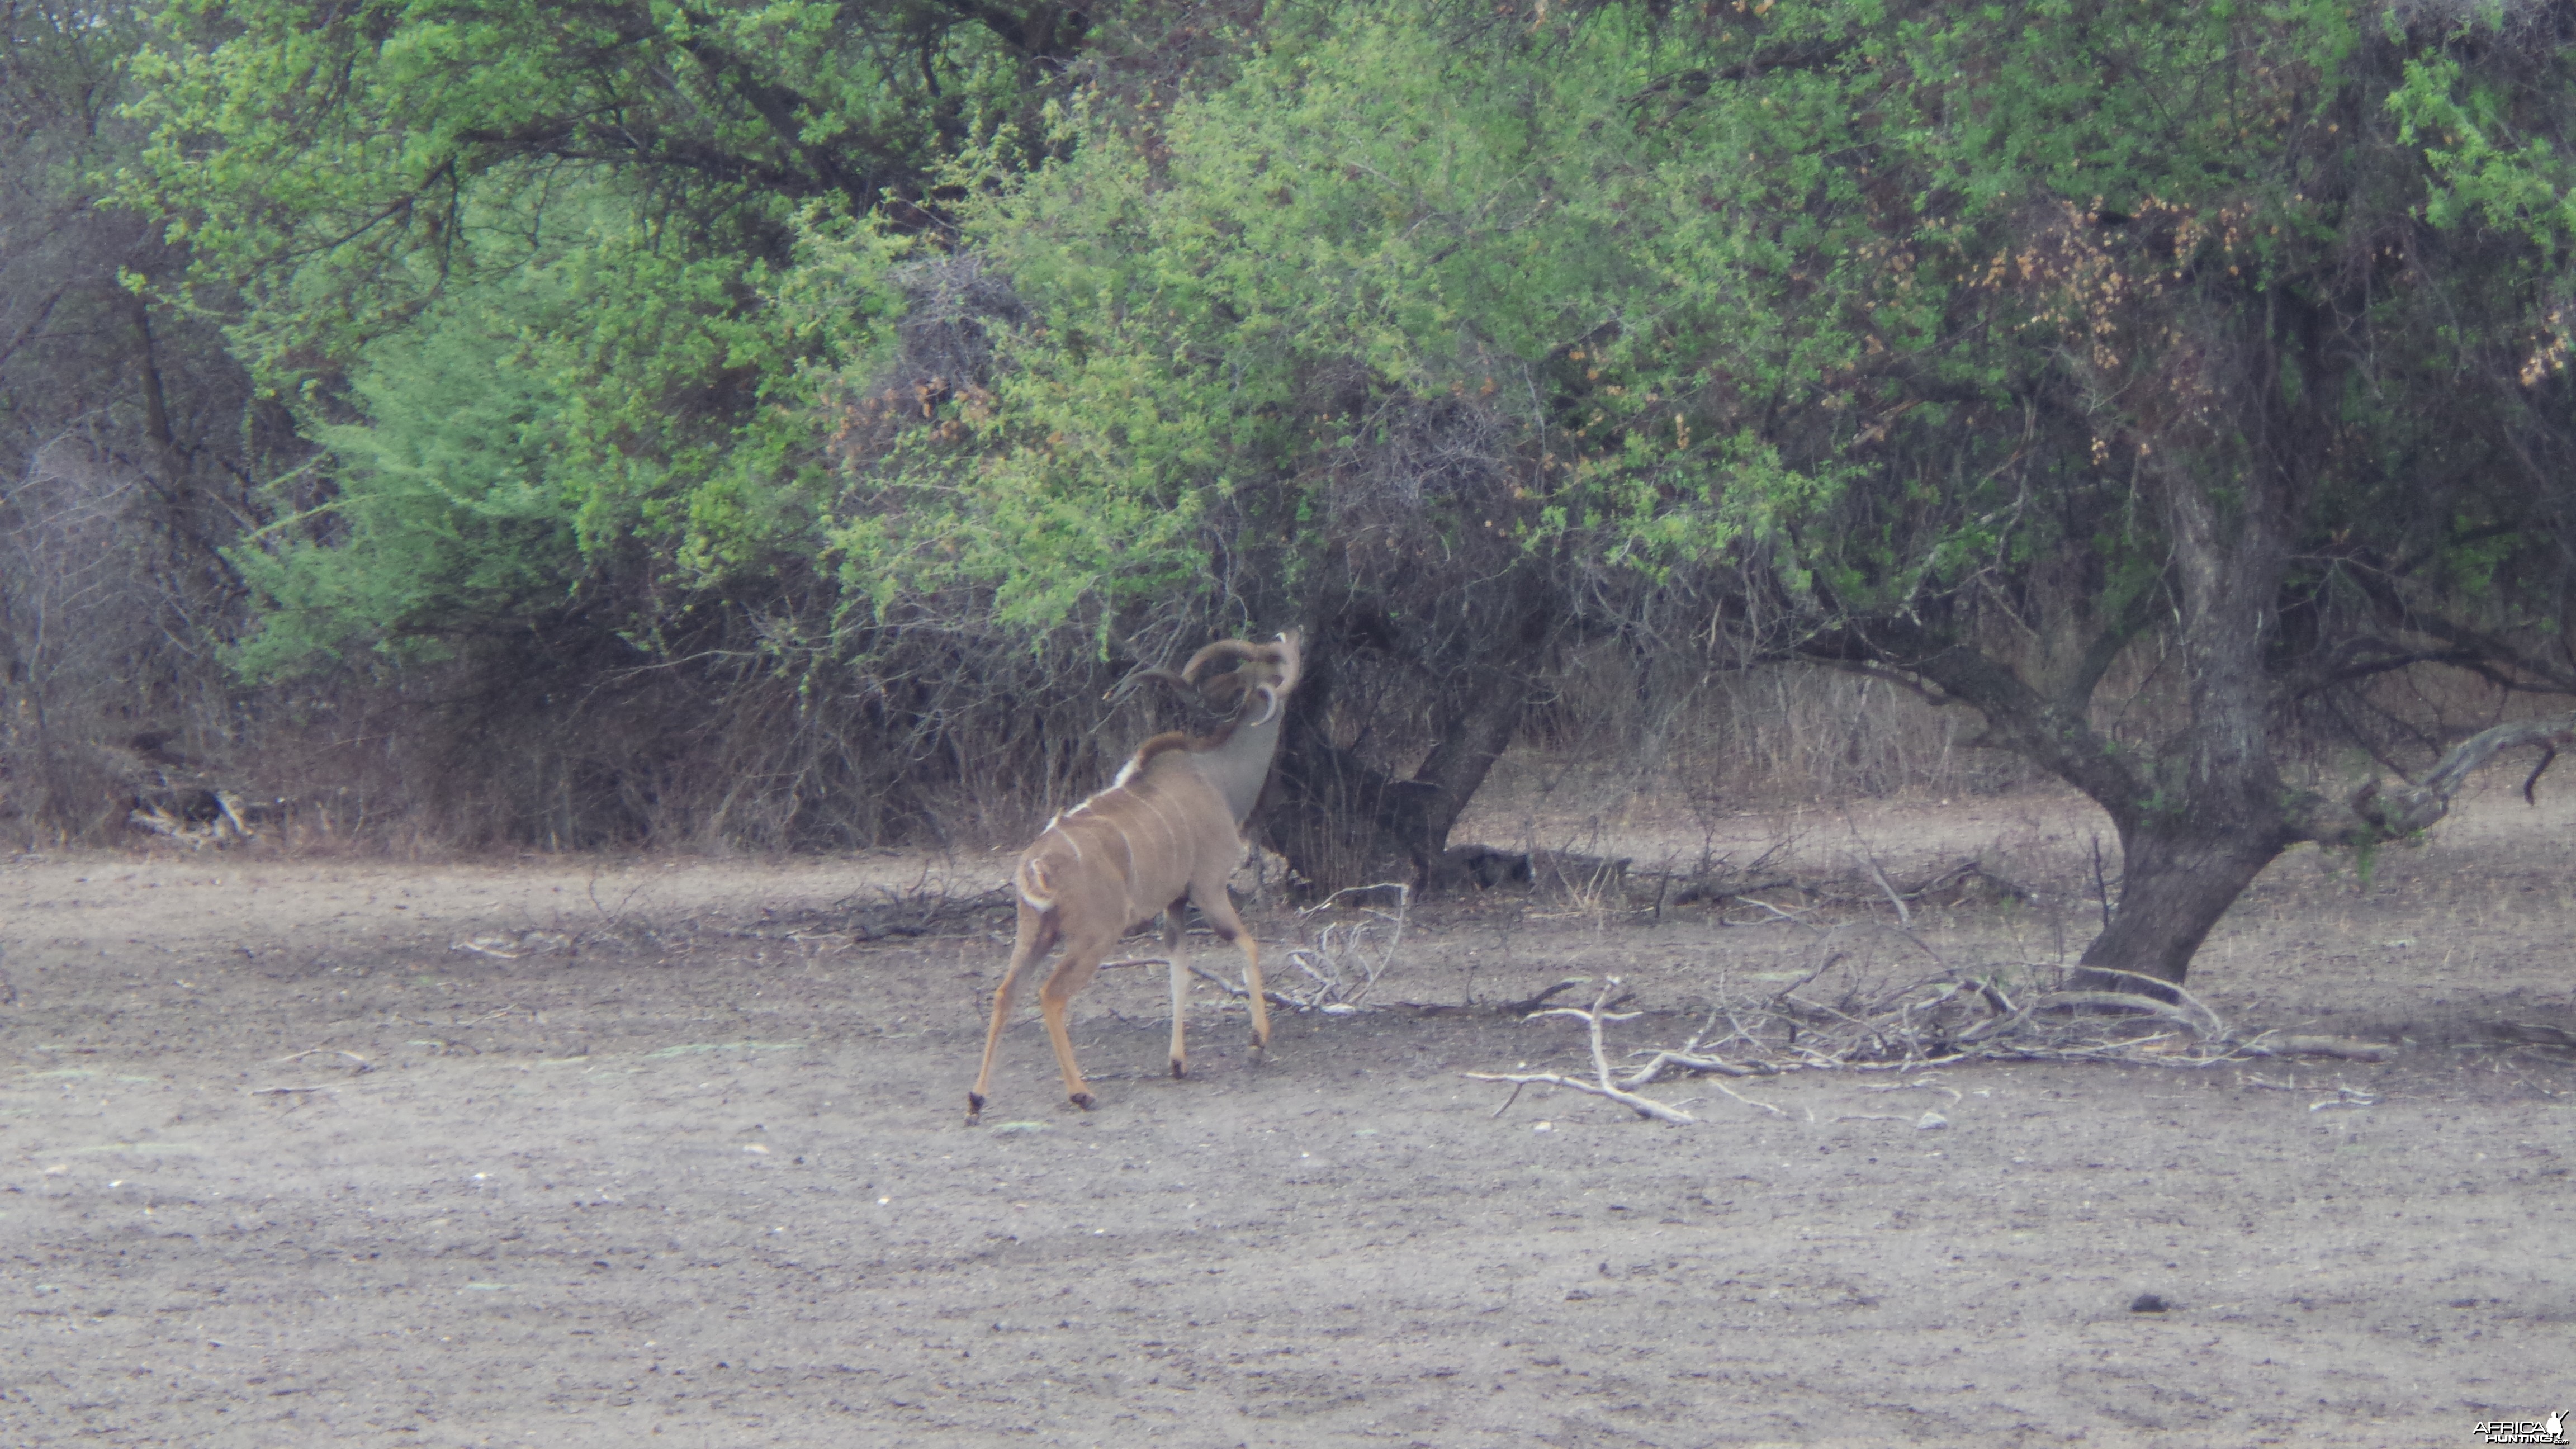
(310, 1151)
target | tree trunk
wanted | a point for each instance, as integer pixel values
(168, 460)
(2182, 874)
(2203, 816)
(1339, 820)
(2178, 879)
(1343, 822)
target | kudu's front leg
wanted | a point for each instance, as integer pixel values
(1218, 907)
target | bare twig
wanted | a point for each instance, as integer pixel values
(1593, 1017)
(1726, 1090)
(2123, 1001)
(1642, 1106)
(1662, 1061)
(2272, 1044)
(1904, 916)
(1348, 958)
(363, 1065)
(1792, 917)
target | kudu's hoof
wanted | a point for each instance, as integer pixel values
(974, 1110)
(1180, 1070)
(1082, 1100)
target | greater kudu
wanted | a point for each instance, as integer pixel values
(1165, 835)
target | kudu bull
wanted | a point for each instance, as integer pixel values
(1163, 836)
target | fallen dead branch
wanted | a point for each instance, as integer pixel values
(1350, 953)
(2271, 1045)
(511, 948)
(1529, 1004)
(363, 1065)
(1233, 989)
(1836, 1017)
(1601, 1085)
(1526, 1007)
(2207, 1024)
(2532, 1033)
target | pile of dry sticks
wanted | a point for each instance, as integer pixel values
(1935, 1021)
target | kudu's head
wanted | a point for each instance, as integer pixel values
(1247, 693)
(1261, 677)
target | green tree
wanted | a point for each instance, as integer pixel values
(1982, 348)
(2239, 386)
(595, 197)
(1392, 337)
(517, 269)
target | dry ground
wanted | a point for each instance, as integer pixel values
(284, 1159)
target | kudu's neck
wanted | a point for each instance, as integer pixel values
(1238, 767)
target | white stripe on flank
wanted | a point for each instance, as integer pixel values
(1163, 823)
(1127, 878)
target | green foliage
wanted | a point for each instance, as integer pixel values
(535, 250)
(1848, 315)
(2492, 165)
(1234, 306)
(1827, 319)
(526, 430)
(344, 163)
(446, 515)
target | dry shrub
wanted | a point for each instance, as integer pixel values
(1616, 727)
(1767, 735)
(944, 742)
(100, 640)
(754, 736)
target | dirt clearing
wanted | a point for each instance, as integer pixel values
(311, 1152)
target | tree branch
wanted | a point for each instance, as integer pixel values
(2383, 810)
(2340, 667)
(2018, 717)
(2103, 652)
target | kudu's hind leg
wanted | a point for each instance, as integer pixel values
(1173, 919)
(1072, 973)
(1035, 937)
